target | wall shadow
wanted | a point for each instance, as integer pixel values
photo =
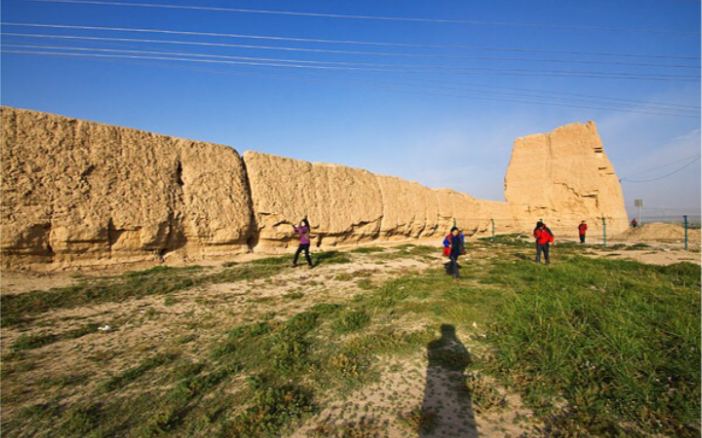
(447, 407)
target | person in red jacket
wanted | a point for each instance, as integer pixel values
(582, 229)
(544, 238)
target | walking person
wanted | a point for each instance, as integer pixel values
(544, 238)
(582, 229)
(454, 247)
(304, 231)
(536, 228)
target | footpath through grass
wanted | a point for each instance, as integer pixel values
(596, 347)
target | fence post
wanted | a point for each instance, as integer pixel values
(492, 221)
(604, 232)
(454, 222)
(685, 216)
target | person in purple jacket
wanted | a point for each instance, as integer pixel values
(304, 231)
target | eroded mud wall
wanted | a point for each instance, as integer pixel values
(564, 177)
(77, 192)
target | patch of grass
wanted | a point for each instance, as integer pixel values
(271, 261)
(514, 239)
(367, 250)
(29, 342)
(326, 308)
(272, 409)
(345, 276)
(419, 420)
(637, 246)
(293, 296)
(616, 337)
(156, 281)
(331, 258)
(82, 421)
(351, 321)
(65, 380)
(366, 427)
(132, 374)
(615, 247)
(161, 280)
(365, 284)
(483, 395)
(169, 301)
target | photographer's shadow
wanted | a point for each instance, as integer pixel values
(447, 408)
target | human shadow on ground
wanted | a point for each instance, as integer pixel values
(449, 270)
(522, 256)
(447, 410)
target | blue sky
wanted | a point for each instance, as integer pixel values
(440, 128)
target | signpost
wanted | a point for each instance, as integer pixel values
(638, 203)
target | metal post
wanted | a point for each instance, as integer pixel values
(454, 222)
(604, 232)
(493, 229)
(685, 216)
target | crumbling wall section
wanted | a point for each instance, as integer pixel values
(82, 193)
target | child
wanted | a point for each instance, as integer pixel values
(454, 246)
(304, 231)
(582, 229)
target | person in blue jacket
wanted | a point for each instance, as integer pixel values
(454, 247)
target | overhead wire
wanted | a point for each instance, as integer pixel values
(333, 41)
(384, 87)
(473, 70)
(366, 17)
(168, 42)
(199, 55)
(663, 166)
(592, 100)
(389, 67)
(667, 175)
(475, 58)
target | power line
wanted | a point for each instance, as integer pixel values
(475, 58)
(368, 17)
(394, 67)
(384, 87)
(590, 99)
(342, 42)
(131, 40)
(473, 70)
(669, 174)
(659, 167)
(198, 55)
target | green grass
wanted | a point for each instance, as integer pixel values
(595, 346)
(367, 250)
(29, 342)
(131, 374)
(351, 321)
(618, 340)
(637, 246)
(330, 258)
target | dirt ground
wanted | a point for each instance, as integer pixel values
(137, 325)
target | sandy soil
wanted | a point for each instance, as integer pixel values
(138, 327)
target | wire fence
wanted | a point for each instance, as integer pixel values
(693, 221)
(603, 231)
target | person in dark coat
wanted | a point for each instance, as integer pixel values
(454, 247)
